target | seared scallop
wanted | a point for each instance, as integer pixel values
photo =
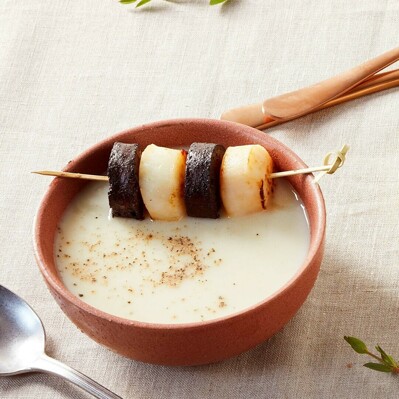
(161, 177)
(244, 184)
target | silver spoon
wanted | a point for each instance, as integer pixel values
(22, 346)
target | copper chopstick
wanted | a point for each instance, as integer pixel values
(376, 83)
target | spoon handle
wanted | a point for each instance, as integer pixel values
(48, 364)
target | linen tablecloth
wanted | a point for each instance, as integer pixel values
(75, 72)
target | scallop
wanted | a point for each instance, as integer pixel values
(161, 178)
(244, 184)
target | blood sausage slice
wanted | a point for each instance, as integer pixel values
(123, 172)
(202, 187)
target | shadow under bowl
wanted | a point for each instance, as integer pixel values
(190, 343)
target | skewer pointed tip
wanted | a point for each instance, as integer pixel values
(71, 175)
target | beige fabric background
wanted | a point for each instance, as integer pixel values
(74, 72)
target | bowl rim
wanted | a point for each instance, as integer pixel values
(56, 284)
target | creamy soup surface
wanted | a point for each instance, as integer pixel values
(179, 272)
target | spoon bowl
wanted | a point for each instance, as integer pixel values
(22, 336)
(22, 346)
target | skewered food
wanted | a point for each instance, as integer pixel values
(169, 184)
(244, 184)
(172, 184)
(201, 186)
(123, 172)
(161, 176)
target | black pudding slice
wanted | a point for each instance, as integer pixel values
(123, 172)
(201, 186)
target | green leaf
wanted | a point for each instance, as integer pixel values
(388, 360)
(214, 2)
(379, 367)
(127, 1)
(142, 2)
(356, 344)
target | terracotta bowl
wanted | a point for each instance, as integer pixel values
(193, 343)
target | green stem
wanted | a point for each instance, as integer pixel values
(375, 357)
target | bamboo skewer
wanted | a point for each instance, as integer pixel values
(329, 167)
(71, 175)
(286, 173)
